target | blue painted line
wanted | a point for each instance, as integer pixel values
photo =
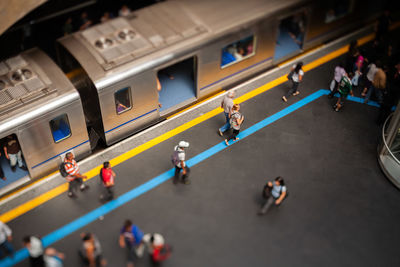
(236, 73)
(93, 215)
(43, 162)
(147, 113)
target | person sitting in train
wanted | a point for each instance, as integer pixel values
(227, 56)
(120, 107)
(13, 153)
(239, 53)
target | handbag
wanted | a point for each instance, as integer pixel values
(290, 75)
(332, 85)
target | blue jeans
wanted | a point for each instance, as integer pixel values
(14, 158)
(378, 93)
(6, 247)
(227, 125)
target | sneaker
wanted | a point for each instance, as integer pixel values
(220, 133)
(284, 98)
(296, 93)
(71, 195)
(226, 142)
(84, 187)
(260, 213)
(186, 181)
(23, 168)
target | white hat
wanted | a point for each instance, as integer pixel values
(183, 144)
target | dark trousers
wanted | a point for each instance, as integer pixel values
(1, 173)
(178, 171)
(36, 262)
(109, 192)
(234, 134)
(268, 203)
(292, 90)
(73, 184)
(7, 248)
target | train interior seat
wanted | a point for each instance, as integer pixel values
(177, 84)
(290, 37)
(10, 175)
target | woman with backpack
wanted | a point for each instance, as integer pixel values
(274, 193)
(236, 121)
(296, 75)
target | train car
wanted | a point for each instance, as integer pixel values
(40, 109)
(131, 71)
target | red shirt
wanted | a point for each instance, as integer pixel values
(108, 178)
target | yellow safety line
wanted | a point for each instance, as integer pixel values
(37, 201)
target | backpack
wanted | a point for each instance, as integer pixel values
(232, 120)
(175, 157)
(63, 172)
(290, 75)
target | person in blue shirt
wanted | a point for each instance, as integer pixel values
(274, 193)
(131, 238)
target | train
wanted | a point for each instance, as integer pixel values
(121, 76)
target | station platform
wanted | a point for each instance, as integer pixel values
(341, 210)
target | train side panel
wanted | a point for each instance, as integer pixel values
(140, 108)
(43, 146)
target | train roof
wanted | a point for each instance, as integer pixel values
(163, 27)
(31, 85)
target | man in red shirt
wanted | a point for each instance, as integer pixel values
(74, 177)
(107, 176)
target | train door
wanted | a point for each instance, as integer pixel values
(290, 35)
(176, 85)
(12, 163)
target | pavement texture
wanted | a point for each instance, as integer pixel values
(341, 210)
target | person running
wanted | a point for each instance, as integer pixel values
(178, 159)
(131, 238)
(236, 121)
(344, 89)
(274, 193)
(74, 177)
(5, 240)
(227, 104)
(296, 75)
(107, 177)
(90, 251)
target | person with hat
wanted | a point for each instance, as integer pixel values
(178, 159)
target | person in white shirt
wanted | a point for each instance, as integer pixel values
(5, 240)
(180, 164)
(35, 248)
(296, 75)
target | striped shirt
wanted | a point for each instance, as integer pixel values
(71, 168)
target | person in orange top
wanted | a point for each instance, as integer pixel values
(74, 177)
(107, 177)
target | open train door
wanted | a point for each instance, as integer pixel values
(177, 85)
(291, 33)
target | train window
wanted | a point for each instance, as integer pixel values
(123, 100)
(338, 9)
(60, 128)
(238, 51)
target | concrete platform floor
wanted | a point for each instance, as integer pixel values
(341, 211)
